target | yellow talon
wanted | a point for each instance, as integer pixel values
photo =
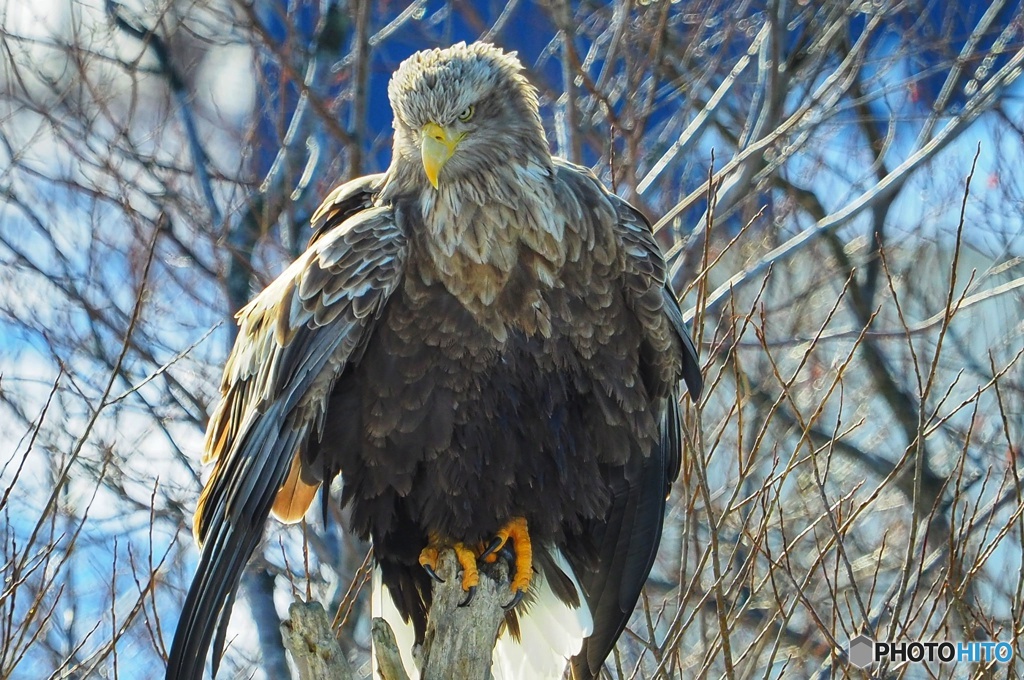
(466, 556)
(428, 560)
(516, 531)
(428, 556)
(467, 559)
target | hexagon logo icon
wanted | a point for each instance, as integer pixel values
(862, 651)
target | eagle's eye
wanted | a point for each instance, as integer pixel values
(467, 113)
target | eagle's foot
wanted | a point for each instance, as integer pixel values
(470, 574)
(428, 560)
(517, 533)
(467, 560)
(511, 543)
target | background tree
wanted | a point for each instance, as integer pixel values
(854, 274)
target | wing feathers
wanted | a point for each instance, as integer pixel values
(627, 547)
(691, 360)
(294, 341)
(626, 542)
(238, 509)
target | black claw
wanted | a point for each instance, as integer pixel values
(469, 597)
(515, 600)
(495, 544)
(432, 574)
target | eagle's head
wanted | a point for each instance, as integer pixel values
(462, 112)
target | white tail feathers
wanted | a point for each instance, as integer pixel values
(552, 632)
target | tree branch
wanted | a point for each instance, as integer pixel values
(460, 640)
(385, 650)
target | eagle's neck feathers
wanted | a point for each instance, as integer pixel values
(484, 217)
(489, 232)
(493, 242)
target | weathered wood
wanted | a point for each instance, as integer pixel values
(385, 649)
(308, 636)
(460, 640)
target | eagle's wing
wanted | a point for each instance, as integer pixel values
(294, 340)
(627, 541)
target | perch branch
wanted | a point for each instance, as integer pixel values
(460, 640)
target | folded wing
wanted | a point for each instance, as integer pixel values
(626, 542)
(295, 339)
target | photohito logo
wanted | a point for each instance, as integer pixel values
(864, 651)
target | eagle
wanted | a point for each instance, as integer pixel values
(482, 342)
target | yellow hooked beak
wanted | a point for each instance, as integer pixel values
(437, 144)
